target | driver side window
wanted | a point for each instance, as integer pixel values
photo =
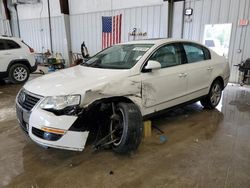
(168, 55)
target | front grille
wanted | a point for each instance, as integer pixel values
(26, 100)
(45, 135)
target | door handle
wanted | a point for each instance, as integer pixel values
(181, 75)
(185, 74)
(7, 54)
(210, 68)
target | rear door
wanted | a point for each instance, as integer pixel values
(9, 50)
(3, 57)
(167, 86)
(199, 69)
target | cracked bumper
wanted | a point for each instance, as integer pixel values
(33, 122)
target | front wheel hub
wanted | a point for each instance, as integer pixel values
(117, 127)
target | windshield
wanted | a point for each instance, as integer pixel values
(119, 56)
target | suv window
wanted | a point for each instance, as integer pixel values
(2, 45)
(168, 55)
(11, 44)
(195, 53)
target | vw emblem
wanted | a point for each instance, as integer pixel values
(22, 97)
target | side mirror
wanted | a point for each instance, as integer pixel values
(152, 65)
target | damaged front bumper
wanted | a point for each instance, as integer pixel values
(49, 130)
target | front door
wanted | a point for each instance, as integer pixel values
(166, 86)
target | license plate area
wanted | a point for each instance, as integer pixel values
(23, 118)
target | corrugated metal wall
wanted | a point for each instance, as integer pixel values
(4, 23)
(35, 32)
(178, 19)
(5, 27)
(87, 27)
(222, 11)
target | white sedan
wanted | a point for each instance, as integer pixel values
(108, 96)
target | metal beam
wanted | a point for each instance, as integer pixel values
(17, 17)
(170, 17)
(7, 12)
(50, 30)
(64, 5)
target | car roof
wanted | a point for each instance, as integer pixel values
(160, 41)
(9, 37)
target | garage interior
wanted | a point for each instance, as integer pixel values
(190, 146)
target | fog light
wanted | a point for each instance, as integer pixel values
(47, 136)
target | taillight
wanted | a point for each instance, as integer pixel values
(31, 50)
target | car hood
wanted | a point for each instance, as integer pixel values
(75, 80)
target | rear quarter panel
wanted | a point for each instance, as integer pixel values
(221, 68)
(24, 53)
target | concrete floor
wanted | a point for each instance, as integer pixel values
(203, 149)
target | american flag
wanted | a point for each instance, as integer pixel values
(111, 30)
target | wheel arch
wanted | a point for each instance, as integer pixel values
(112, 99)
(220, 79)
(115, 99)
(19, 61)
(97, 117)
(95, 107)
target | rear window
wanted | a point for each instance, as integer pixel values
(196, 53)
(31, 49)
(11, 45)
(2, 46)
(26, 44)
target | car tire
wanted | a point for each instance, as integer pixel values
(214, 95)
(18, 73)
(129, 127)
(2, 81)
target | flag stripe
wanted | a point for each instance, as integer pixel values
(120, 28)
(118, 21)
(116, 33)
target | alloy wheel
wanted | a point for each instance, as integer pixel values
(20, 74)
(215, 94)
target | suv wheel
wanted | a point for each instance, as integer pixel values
(18, 73)
(126, 128)
(213, 97)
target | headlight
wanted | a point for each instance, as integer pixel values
(60, 102)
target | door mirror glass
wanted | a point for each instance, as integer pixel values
(152, 65)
